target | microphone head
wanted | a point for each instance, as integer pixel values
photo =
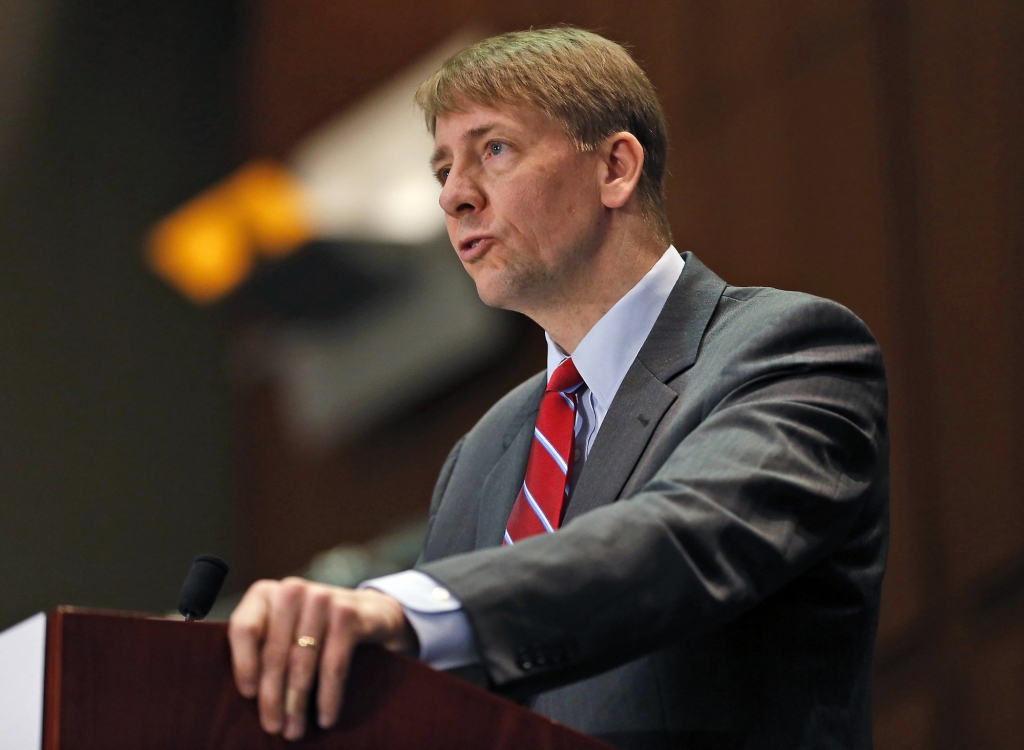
(202, 584)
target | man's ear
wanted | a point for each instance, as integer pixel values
(622, 161)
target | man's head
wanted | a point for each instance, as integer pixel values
(589, 85)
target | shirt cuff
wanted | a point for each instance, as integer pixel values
(441, 625)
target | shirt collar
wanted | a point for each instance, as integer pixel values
(607, 351)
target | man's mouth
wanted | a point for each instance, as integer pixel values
(471, 247)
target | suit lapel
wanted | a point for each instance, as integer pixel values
(499, 490)
(643, 398)
(672, 345)
(638, 407)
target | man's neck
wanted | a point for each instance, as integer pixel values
(596, 290)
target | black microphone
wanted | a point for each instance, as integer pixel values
(202, 584)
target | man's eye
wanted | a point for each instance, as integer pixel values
(442, 175)
(497, 148)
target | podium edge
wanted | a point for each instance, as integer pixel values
(52, 685)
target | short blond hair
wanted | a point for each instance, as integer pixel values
(588, 84)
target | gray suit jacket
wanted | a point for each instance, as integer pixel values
(715, 583)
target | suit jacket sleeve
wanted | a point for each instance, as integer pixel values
(772, 459)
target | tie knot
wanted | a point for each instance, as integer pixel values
(565, 378)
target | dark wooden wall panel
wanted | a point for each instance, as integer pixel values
(949, 105)
(997, 684)
(963, 109)
(906, 723)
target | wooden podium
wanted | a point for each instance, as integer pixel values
(118, 681)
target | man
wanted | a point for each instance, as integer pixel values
(674, 537)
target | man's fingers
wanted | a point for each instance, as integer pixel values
(334, 661)
(286, 603)
(303, 659)
(246, 630)
(269, 663)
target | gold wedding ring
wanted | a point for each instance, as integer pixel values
(306, 641)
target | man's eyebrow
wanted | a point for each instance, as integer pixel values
(443, 152)
(439, 154)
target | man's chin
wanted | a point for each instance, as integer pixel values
(491, 297)
(495, 291)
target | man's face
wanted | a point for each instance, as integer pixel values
(522, 204)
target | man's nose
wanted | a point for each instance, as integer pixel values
(461, 194)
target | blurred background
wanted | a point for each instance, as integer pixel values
(289, 403)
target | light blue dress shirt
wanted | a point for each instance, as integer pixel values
(602, 358)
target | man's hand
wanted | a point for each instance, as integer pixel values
(270, 665)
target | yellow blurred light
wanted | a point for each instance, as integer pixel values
(270, 200)
(202, 250)
(207, 247)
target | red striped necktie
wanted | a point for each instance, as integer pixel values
(542, 498)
